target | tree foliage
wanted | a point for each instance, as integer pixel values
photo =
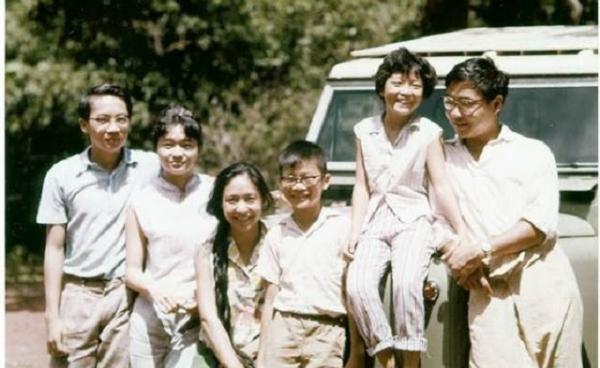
(251, 70)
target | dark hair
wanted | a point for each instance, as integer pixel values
(405, 62)
(177, 115)
(104, 89)
(302, 150)
(221, 240)
(484, 75)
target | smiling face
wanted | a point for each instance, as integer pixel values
(242, 204)
(402, 93)
(107, 125)
(177, 152)
(303, 184)
(471, 116)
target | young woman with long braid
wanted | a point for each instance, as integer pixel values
(230, 293)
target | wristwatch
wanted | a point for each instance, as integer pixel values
(486, 248)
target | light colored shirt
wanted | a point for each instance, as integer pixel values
(515, 179)
(245, 294)
(396, 171)
(91, 202)
(174, 223)
(307, 266)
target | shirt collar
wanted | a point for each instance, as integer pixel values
(377, 128)
(87, 164)
(325, 214)
(168, 187)
(505, 135)
(234, 255)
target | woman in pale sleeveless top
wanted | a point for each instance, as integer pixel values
(166, 223)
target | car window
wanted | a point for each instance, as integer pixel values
(564, 117)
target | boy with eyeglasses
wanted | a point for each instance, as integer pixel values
(83, 206)
(304, 313)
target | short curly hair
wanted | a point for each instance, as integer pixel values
(483, 74)
(405, 62)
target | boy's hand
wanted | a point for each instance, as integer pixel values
(54, 338)
(349, 249)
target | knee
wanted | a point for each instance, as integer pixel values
(361, 287)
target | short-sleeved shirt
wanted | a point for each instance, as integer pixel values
(515, 179)
(396, 172)
(245, 293)
(174, 223)
(91, 202)
(307, 266)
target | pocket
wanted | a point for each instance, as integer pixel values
(76, 308)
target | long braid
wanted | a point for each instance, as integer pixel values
(220, 268)
(221, 261)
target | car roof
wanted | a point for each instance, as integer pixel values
(502, 40)
(532, 66)
(519, 51)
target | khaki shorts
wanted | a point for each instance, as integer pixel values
(297, 340)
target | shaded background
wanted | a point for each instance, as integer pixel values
(250, 70)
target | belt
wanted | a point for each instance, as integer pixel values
(324, 318)
(88, 281)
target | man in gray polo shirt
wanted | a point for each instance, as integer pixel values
(83, 206)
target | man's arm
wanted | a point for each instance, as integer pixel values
(465, 259)
(54, 256)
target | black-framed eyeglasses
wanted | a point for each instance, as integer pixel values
(466, 106)
(106, 119)
(306, 180)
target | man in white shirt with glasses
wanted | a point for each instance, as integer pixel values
(83, 206)
(525, 309)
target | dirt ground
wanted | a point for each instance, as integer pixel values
(25, 335)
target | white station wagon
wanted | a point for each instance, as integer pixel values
(553, 97)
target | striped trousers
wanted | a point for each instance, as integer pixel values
(407, 250)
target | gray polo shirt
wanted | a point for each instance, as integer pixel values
(92, 202)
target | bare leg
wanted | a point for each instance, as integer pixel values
(386, 358)
(411, 359)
